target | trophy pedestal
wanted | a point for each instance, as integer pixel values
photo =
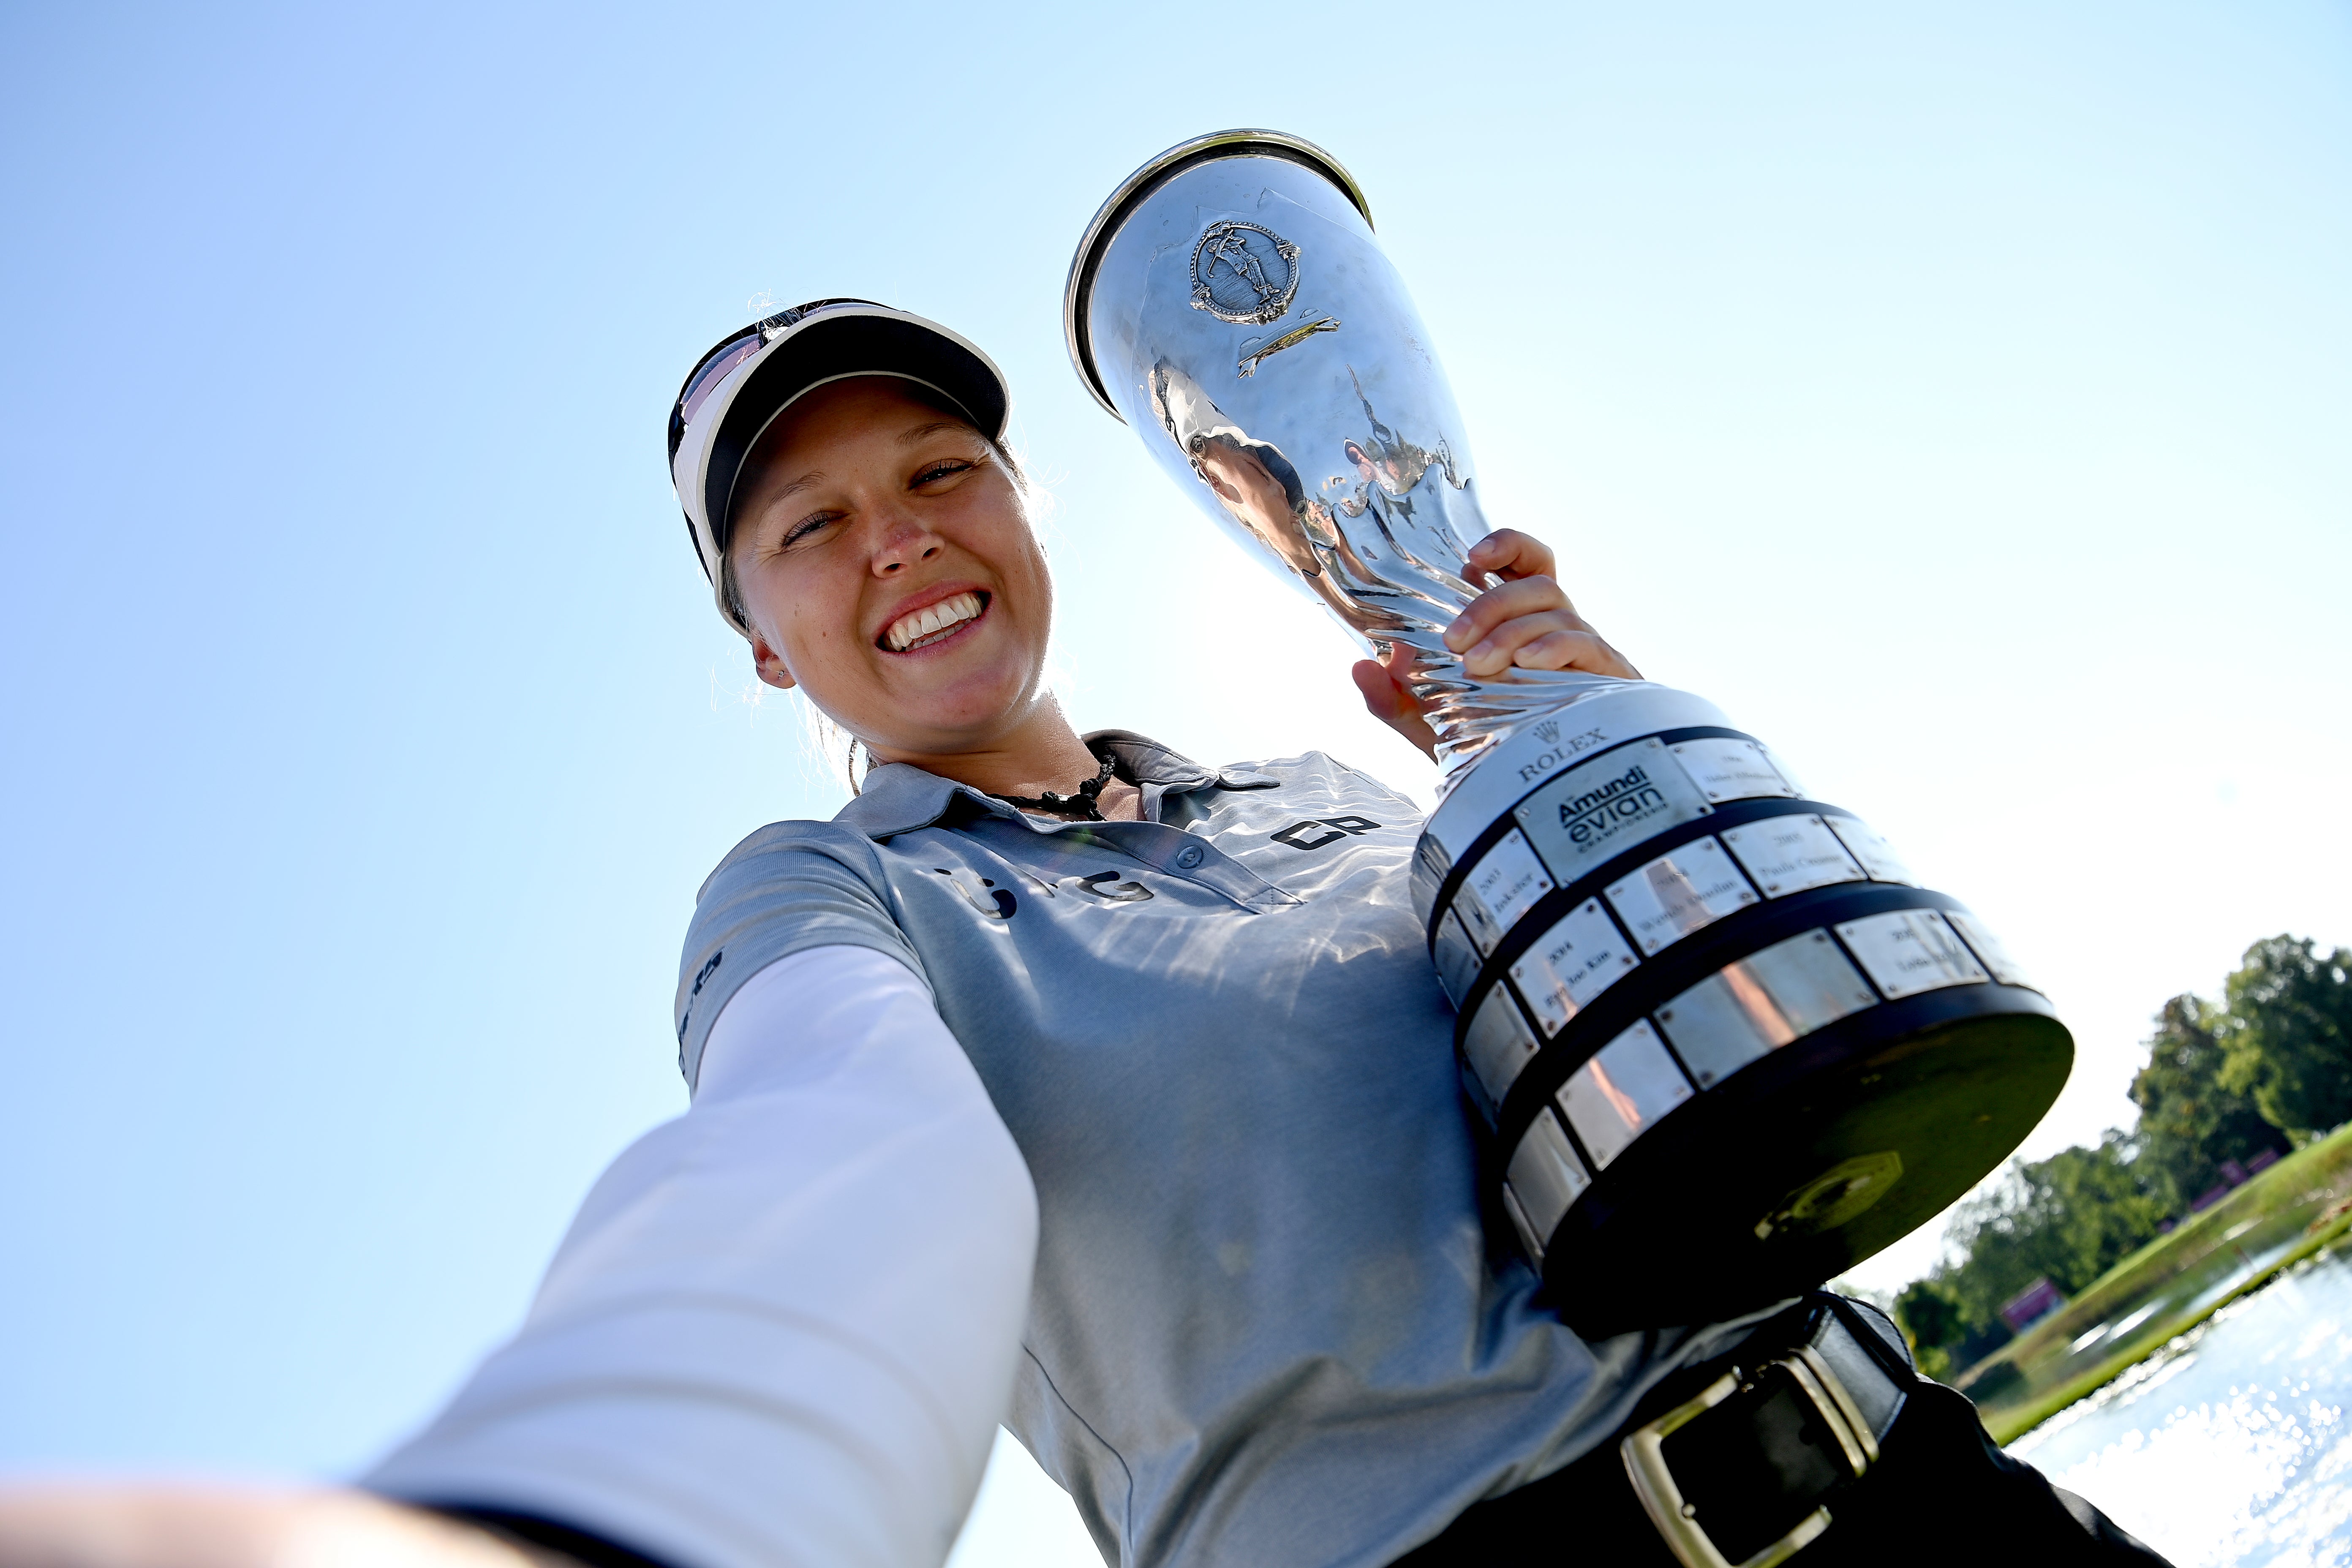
(1669, 1232)
(1726, 1045)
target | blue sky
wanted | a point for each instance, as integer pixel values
(1956, 395)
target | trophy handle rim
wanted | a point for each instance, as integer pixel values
(1246, 142)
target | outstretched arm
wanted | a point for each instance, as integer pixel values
(783, 1328)
(782, 1331)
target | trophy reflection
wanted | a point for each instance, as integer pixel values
(1263, 494)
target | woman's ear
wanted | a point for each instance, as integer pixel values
(768, 664)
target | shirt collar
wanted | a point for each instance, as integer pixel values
(898, 797)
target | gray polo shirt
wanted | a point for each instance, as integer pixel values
(1268, 1326)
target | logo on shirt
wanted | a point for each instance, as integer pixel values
(1315, 833)
(981, 893)
(1102, 885)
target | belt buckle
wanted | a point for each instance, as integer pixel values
(1643, 1451)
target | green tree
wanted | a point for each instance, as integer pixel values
(1931, 1317)
(2222, 1082)
(2190, 1121)
(2067, 1219)
(2287, 1035)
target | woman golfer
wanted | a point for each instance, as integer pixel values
(1267, 1324)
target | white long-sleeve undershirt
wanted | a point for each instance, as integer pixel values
(783, 1329)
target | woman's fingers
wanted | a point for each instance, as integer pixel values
(1511, 554)
(1389, 701)
(1527, 621)
(1561, 648)
(1553, 639)
(1492, 610)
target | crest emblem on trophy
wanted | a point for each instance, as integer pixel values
(1244, 273)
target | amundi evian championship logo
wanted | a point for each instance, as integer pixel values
(1590, 818)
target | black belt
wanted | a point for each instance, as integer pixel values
(1733, 1464)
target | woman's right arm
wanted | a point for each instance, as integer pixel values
(781, 1330)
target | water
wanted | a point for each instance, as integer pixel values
(2230, 1444)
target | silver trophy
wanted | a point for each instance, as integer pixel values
(1725, 1044)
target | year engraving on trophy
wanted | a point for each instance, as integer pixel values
(1503, 886)
(1910, 950)
(1725, 768)
(1679, 893)
(1591, 813)
(1570, 964)
(1786, 854)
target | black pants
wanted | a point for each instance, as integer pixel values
(1940, 1493)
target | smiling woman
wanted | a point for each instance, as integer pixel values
(1067, 1081)
(878, 555)
(1266, 1324)
(881, 560)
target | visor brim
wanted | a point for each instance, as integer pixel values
(836, 347)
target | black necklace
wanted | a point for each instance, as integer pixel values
(1085, 805)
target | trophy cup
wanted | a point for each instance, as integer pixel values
(1726, 1045)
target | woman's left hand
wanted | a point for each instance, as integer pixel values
(1528, 622)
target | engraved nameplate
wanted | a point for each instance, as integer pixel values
(1745, 1011)
(1780, 765)
(1608, 805)
(1622, 1092)
(1430, 863)
(1910, 950)
(1457, 960)
(1680, 892)
(1988, 949)
(1501, 888)
(1784, 855)
(1725, 768)
(1572, 963)
(1545, 1176)
(1876, 856)
(1498, 1043)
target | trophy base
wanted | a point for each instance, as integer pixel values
(1805, 1164)
(1727, 1044)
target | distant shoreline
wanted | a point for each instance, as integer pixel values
(2279, 1217)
